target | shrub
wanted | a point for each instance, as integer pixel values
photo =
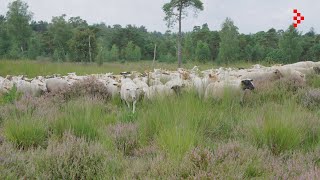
(284, 129)
(311, 98)
(84, 117)
(125, 137)
(313, 80)
(10, 96)
(196, 163)
(26, 132)
(73, 158)
(89, 87)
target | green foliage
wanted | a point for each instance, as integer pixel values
(132, 52)
(167, 58)
(25, 131)
(80, 120)
(229, 45)
(18, 18)
(276, 55)
(290, 45)
(114, 53)
(5, 40)
(101, 56)
(175, 7)
(202, 52)
(60, 33)
(10, 96)
(83, 46)
(35, 47)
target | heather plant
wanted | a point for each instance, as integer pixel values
(125, 137)
(89, 87)
(73, 158)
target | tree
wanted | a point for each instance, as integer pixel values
(83, 45)
(18, 18)
(114, 53)
(137, 53)
(35, 46)
(202, 52)
(132, 52)
(290, 45)
(60, 33)
(4, 37)
(175, 11)
(229, 45)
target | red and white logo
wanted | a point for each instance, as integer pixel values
(297, 18)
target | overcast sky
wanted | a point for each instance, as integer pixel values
(250, 16)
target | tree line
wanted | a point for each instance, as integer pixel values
(74, 40)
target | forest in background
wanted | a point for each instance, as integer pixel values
(74, 40)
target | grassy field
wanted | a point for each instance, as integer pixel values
(275, 134)
(36, 68)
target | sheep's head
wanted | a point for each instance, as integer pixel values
(277, 74)
(247, 84)
(133, 92)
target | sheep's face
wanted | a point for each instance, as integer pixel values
(7, 85)
(247, 84)
(132, 93)
(277, 74)
(316, 70)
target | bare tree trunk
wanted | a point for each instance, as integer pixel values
(90, 48)
(154, 55)
(179, 39)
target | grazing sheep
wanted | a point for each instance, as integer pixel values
(238, 87)
(55, 84)
(143, 87)
(262, 79)
(30, 89)
(113, 88)
(158, 91)
(5, 85)
(129, 93)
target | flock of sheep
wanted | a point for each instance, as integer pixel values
(131, 86)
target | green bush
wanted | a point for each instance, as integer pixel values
(83, 118)
(26, 132)
(283, 129)
(10, 96)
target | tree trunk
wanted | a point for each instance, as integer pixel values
(154, 54)
(179, 39)
(90, 49)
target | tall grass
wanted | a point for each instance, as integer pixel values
(26, 131)
(83, 118)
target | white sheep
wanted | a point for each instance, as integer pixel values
(5, 85)
(56, 84)
(158, 91)
(218, 89)
(129, 93)
(113, 88)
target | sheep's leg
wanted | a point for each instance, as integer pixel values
(134, 106)
(128, 104)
